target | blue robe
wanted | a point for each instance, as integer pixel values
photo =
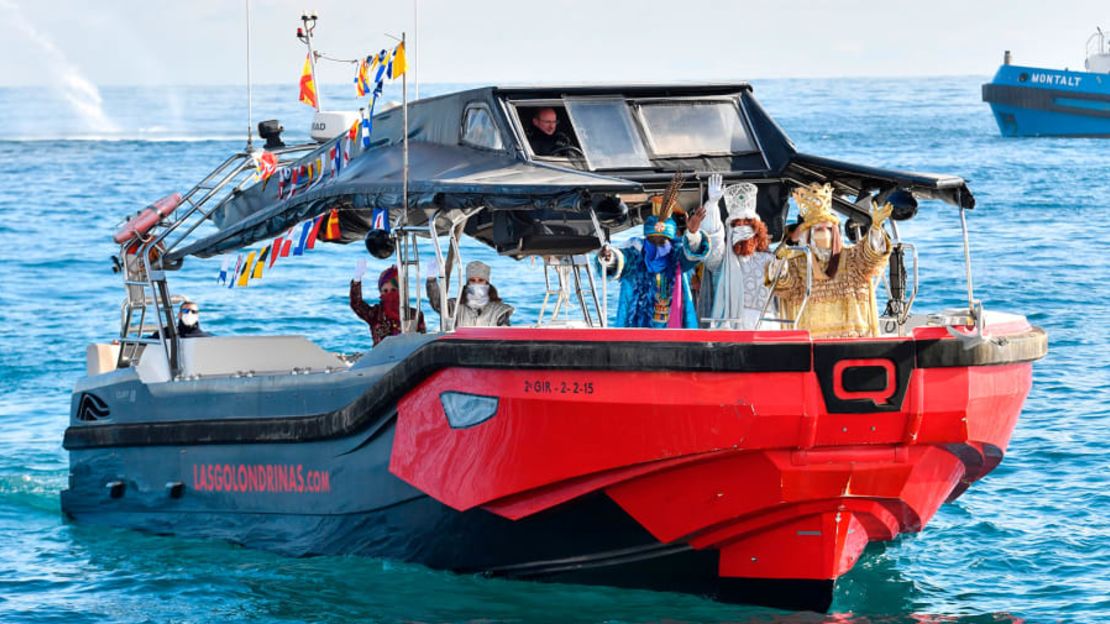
(640, 288)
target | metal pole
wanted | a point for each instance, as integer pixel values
(415, 42)
(250, 123)
(405, 139)
(312, 56)
(967, 262)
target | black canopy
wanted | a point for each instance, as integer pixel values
(530, 206)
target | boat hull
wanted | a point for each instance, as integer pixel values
(749, 467)
(1031, 102)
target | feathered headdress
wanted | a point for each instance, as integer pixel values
(663, 207)
(815, 205)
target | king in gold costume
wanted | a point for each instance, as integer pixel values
(842, 299)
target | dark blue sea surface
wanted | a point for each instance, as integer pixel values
(1029, 543)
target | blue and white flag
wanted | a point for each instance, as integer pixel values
(379, 219)
(302, 237)
(225, 264)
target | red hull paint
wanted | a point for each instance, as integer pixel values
(751, 464)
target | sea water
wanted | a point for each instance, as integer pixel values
(1027, 543)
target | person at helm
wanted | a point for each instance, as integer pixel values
(544, 135)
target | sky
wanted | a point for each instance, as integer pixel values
(194, 42)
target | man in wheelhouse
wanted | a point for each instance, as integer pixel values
(544, 135)
(654, 271)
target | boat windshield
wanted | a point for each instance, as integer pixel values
(694, 128)
(607, 133)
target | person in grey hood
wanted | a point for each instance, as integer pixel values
(481, 305)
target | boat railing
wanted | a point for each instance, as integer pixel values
(148, 294)
(1097, 54)
(567, 285)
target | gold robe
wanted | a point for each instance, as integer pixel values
(839, 307)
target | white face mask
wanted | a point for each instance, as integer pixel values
(190, 320)
(742, 233)
(822, 238)
(477, 295)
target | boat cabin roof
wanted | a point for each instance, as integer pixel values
(477, 152)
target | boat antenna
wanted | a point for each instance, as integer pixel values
(250, 122)
(304, 33)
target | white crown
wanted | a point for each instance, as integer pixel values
(740, 199)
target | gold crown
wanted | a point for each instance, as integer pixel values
(815, 204)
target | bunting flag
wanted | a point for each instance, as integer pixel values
(285, 181)
(286, 243)
(397, 64)
(347, 150)
(352, 133)
(308, 86)
(331, 228)
(314, 232)
(362, 77)
(380, 219)
(235, 275)
(276, 247)
(245, 273)
(381, 62)
(265, 162)
(224, 266)
(335, 154)
(256, 273)
(302, 237)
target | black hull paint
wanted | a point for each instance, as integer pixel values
(611, 548)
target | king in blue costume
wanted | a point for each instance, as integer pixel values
(648, 269)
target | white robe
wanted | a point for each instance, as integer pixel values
(738, 288)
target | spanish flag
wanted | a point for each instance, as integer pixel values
(397, 65)
(308, 86)
(331, 228)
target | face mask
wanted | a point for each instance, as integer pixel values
(477, 295)
(190, 320)
(822, 238)
(742, 233)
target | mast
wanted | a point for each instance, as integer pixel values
(415, 42)
(309, 22)
(250, 122)
(405, 137)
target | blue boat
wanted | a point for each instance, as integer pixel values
(1035, 101)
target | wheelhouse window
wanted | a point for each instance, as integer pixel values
(695, 128)
(607, 134)
(479, 128)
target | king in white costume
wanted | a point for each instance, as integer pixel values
(738, 258)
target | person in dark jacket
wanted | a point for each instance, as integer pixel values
(544, 135)
(384, 318)
(188, 322)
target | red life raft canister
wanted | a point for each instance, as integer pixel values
(148, 217)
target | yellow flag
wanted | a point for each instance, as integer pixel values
(257, 272)
(397, 65)
(247, 266)
(308, 85)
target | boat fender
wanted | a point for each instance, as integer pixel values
(147, 218)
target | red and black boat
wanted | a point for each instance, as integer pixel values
(750, 466)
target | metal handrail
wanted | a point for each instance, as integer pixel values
(209, 187)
